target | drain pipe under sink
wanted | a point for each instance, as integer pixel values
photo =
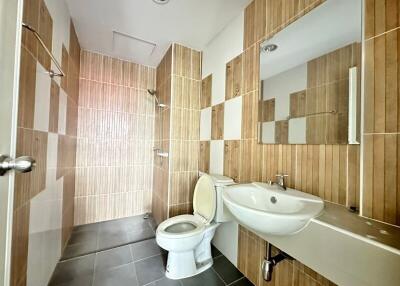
(269, 262)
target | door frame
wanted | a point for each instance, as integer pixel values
(10, 49)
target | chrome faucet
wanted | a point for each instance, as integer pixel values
(281, 180)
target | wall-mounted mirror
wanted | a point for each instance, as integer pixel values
(310, 75)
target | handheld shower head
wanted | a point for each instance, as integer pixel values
(153, 92)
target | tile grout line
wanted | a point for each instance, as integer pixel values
(133, 263)
(218, 274)
(236, 280)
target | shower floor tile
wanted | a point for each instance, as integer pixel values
(140, 263)
(92, 238)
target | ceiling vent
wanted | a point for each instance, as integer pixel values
(135, 48)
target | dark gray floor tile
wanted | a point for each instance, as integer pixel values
(111, 227)
(111, 239)
(79, 249)
(152, 223)
(86, 227)
(141, 234)
(79, 281)
(138, 226)
(145, 249)
(215, 252)
(165, 282)
(242, 282)
(112, 258)
(150, 269)
(124, 275)
(208, 277)
(70, 270)
(124, 224)
(226, 270)
(83, 237)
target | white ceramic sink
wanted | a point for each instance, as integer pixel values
(268, 209)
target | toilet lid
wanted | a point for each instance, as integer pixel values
(204, 198)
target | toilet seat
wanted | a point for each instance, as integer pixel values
(191, 219)
(204, 206)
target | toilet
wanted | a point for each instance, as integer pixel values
(187, 238)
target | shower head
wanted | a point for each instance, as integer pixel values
(153, 92)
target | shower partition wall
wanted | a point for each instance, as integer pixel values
(178, 86)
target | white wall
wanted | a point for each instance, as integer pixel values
(280, 87)
(224, 47)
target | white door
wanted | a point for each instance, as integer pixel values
(10, 42)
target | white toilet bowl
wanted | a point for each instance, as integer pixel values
(187, 238)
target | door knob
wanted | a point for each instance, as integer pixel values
(23, 164)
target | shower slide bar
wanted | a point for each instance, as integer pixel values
(37, 36)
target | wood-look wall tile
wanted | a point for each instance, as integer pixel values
(298, 104)
(31, 17)
(95, 66)
(251, 69)
(196, 65)
(217, 122)
(64, 67)
(353, 193)
(204, 156)
(46, 32)
(264, 18)
(234, 78)
(116, 71)
(116, 118)
(31, 143)
(232, 159)
(282, 131)
(27, 86)
(380, 175)
(175, 210)
(260, 19)
(23, 182)
(206, 91)
(267, 110)
(381, 88)
(195, 94)
(249, 115)
(19, 245)
(54, 107)
(381, 16)
(182, 64)
(74, 47)
(249, 25)
(106, 69)
(72, 117)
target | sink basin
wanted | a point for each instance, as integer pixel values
(267, 209)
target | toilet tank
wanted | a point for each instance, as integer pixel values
(222, 214)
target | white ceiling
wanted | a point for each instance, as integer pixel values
(111, 26)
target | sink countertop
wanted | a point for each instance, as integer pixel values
(341, 219)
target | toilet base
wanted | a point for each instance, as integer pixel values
(189, 263)
(182, 265)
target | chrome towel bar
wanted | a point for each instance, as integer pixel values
(37, 36)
